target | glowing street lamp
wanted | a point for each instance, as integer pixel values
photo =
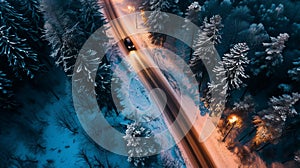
(232, 119)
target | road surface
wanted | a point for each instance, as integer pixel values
(153, 78)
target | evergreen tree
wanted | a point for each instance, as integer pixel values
(245, 107)
(66, 32)
(205, 50)
(17, 54)
(272, 55)
(91, 17)
(158, 17)
(255, 35)
(103, 86)
(271, 122)
(139, 149)
(273, 16)
(238, 20)
(11, 18)
(193, 14)
(275, 48)
(207, 38)
(63, 32)
(216, 97)
(232, 66)
(30, 10)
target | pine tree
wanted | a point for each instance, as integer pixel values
(275, 48)
(91, 17)
(216, 98)
(273, 16)
(158, 17)
(17, 54)
(271, 122)
(245, 107)
(104, 80)
(283, 106)
(272, 55)
(16, 51)
(232, 66)
(212, 28)
(139, 150)
(156, 21)
(264, 133)
(255, 35)
(193, 14)
(207, 38)
(66, 32)
(63, 32)
(30, 10)
(11, 18)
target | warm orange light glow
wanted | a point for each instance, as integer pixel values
(232, 119)
(130, 8)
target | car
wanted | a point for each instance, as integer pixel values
(129, 44)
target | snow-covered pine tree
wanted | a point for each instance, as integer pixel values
(283, 106)
(274, 49)
(212, 28)
(263, 132)
(66, 32)
(204, 45)
(207, 38)
(104, 80)
(245, 107)
(15, 51)
(232, 66)
(238, 20)
(273, 16)
(63, 31)
(138, 150)
(17, 54)
(193, 14)
(216, 98)
(30, 10)
(11, 18)
(91, 17)
(272, 55)
(272, 121)
(158, 18)
(294, 73)
(255, 35)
